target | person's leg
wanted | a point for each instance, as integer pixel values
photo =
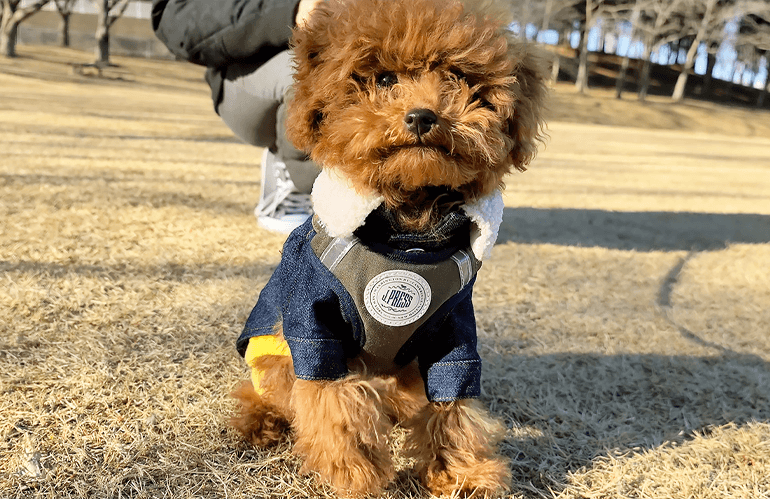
(251, 96)
(253, 108)
(301, 170)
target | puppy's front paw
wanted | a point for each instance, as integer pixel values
(455, 448)
(261, 423)
(467, 477)
(356, 473)
(342, 433)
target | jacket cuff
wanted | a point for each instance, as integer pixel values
(453, 380)
(317, 359)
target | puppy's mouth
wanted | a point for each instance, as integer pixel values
(420, 148)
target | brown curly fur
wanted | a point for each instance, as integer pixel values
(486, 88)
(264, 419)
(454, 444)
(361, 67)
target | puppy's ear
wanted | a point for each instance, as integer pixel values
(530, 90)
(306, 98)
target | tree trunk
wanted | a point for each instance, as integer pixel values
(64, 29)
(621, 79)
(526, 11)
(7, 30)
(707, 77)
(547, 16)
(644, 78)
(581, 82)
(12, 16)
(555, 68)
(102, 33)
(681, 82)
(8, 37)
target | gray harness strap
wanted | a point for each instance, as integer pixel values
(465, 266)
(336, 251)
(339, 247)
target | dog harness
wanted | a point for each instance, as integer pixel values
(394, 296)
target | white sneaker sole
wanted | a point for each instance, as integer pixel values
(284, 225)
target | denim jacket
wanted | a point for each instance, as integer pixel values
(387, 297)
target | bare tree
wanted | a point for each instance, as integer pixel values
(563, 15)
(581, 82)
(541, 14)
(528, 12)
(660, 23)
(610, 11)
(707, 11)
(754, 40)
(107, 12)
(560, 15)
(620, 81)
(64, 8)
(12, 15)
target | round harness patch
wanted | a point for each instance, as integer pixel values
(397, 298)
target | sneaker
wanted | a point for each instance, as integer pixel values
(281, 207)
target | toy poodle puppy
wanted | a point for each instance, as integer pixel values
(415, 109)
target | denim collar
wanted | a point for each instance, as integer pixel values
(342, 209)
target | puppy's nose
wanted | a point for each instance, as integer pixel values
(420, 121)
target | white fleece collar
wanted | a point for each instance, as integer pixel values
(342, 210)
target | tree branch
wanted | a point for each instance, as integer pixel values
(121, 6)
(23, 13)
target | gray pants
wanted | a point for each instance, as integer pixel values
(254, 108)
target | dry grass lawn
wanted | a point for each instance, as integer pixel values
(624, 316)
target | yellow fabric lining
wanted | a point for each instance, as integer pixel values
(264, 345)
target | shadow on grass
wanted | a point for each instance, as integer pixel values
(643, 231)
(569, 408)
(581, 406)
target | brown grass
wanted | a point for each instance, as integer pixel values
(624, 316)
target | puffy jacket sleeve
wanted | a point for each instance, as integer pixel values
(318, 316)
(215, 33)
(450, 363)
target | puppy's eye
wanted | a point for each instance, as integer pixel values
(458, 74)
(483, 103)
(488, 105)
(387, 79)
(318, 117)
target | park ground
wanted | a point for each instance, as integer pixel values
(624, 316)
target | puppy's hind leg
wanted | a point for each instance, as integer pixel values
(455, 445)
(342, 433)
(265, 413)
